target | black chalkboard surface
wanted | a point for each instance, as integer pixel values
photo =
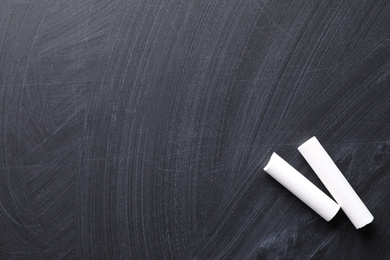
(139, 129)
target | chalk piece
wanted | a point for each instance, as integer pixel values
(301, 187)
(335, 182)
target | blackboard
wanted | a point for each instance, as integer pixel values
(139, 129)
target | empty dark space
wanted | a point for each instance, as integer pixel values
(139, 129)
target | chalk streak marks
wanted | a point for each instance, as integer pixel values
(138, 129)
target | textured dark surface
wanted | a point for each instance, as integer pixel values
(139, 129)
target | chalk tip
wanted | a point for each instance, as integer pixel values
(336, 209)
(365, 223)
(270, 162)
(308, 143)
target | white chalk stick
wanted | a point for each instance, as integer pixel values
(335, 182)
(301, 187)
